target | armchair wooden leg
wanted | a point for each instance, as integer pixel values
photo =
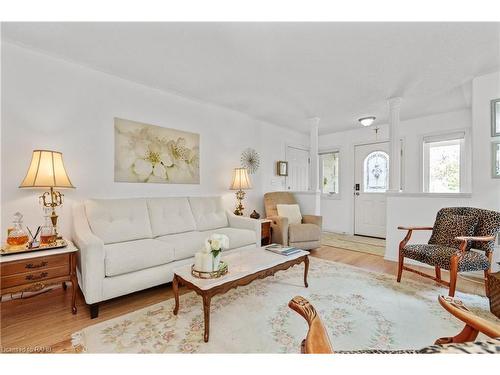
(438, 273)
(402, 245)
(400, 266)
(453, 275)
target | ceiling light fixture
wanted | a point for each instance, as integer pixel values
(367, 121)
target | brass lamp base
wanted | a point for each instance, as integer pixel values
(240, 195)
(56, 199)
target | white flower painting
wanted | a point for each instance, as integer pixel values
(153, 154)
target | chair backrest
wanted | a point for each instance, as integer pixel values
(488, 223)
(277, 197)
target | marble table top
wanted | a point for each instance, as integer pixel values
(240, 264)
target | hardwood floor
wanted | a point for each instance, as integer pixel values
(45, 323)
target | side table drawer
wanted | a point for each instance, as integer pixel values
(34, 264)
(32, 277)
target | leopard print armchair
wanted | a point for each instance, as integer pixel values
(462, 241)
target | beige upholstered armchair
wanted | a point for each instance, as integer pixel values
(305, 235)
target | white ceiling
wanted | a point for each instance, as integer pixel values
(284, 73)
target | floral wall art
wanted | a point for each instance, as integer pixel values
(153, 154)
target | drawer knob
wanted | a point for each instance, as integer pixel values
(35, 277)
(39, 265)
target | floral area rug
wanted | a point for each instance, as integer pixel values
(361, 310)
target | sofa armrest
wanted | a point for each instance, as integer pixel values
(91, 256)
(241, 222)
(313, 219)
(279, 229)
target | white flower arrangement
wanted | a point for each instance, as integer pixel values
(208, 259)
(216, 243)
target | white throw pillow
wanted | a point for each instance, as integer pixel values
(290, 211)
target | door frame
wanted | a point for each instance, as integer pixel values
(353, 202)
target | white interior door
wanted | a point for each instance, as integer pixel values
(370, 184)
(298, 169)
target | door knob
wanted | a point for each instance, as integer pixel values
(356, 193)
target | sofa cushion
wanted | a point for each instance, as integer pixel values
(118, 220)
(304, 232)
(208, 213)
(130, 256)
(237, 237)
(187, 244)
(170, 215)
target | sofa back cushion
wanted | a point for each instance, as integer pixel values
(118, 220)
(208, 212)
(170, 215)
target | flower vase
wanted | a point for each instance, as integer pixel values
(216, 262)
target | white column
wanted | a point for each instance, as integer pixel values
(395, 150)
(314, 162)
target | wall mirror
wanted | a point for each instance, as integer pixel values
(495, 118)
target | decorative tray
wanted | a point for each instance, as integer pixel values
(210, 275)
(8, 249)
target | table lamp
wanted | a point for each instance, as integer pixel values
(47, 171)
(241, 181)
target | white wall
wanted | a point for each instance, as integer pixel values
(338, 212)
(49, 103)
(420, 210)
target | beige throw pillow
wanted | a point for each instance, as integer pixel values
(290, 211)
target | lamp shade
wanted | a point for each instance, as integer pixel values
(241, 180)
(46, 170)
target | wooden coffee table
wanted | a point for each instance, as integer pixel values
(245, 266)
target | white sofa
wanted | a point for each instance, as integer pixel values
(128, 245)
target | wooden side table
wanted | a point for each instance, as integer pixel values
(265, 232)
(33, 271)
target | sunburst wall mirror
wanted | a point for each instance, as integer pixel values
(250, 160)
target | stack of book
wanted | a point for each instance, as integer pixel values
(282, 250)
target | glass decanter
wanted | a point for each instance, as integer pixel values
(17, 234)
(47, 232)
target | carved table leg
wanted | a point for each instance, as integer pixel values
(206, 313)
(74, 282)
(306, 270)
(175, 288)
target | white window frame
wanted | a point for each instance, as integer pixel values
(323, 194)
(465, 158)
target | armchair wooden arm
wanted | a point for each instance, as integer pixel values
(402, 227)
(473, 323)
(475, 238)
(317, 341)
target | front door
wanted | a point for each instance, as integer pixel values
(371, 181)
